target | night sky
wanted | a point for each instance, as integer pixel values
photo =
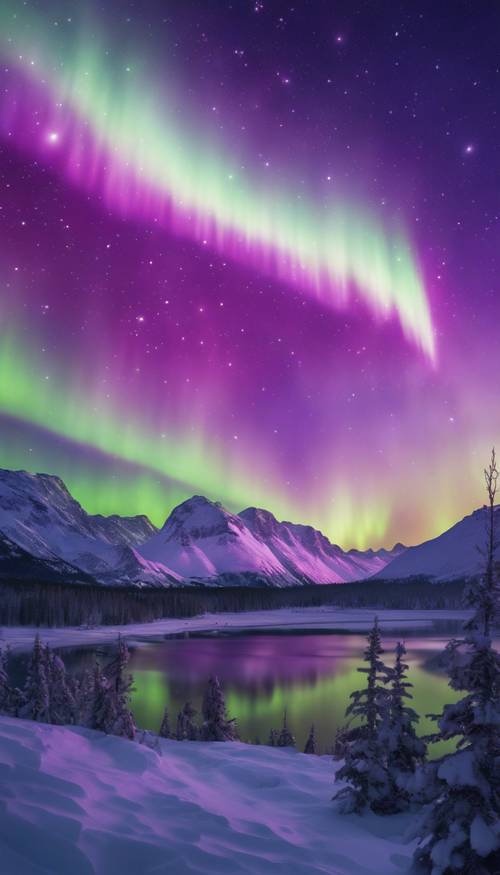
(250, 250)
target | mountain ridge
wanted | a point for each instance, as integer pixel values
(199, 542)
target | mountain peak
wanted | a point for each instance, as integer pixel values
(398, 547)
(260, 521)
(199, 517)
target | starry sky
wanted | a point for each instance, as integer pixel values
(250, 250)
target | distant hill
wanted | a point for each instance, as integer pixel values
(454, 554)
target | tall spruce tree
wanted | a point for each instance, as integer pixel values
(120, 685)
(310, 746)
(285, 738)
(5, 689)
(102, 710)
(273, 738)
(364, 767)
(404, 750)
(36, 702)
(460, 832)
(186, 728)
(217, 726)
(62, 705)
(83, 689)
(165, 731)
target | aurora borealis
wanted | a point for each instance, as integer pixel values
(249, 250)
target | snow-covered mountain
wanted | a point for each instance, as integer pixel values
(41, 523)
(308, 556)
(456, 553)
(202, 540)
(38, 514)
(18, 564)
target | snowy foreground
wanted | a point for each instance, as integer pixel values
(292, 619)
(76, 801)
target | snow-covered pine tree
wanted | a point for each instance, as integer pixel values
(119, 687)
(5, 690)
(11, 698)
(285, 738)
(62, 707)
(186, 728)
(16, 702)
(311, 741)
(404, 750)
(103, 708)
(36, 704)
(460, 832)
(82, 690)
(273, 738)
(217, 726)
(364, 766)
(164, 731)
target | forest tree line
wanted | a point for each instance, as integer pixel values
(31, 603)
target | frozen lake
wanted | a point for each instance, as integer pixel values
(310, 674)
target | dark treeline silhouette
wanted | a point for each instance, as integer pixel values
(25, 603)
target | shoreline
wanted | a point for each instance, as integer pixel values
(323, 619)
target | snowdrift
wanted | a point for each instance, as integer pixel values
(76, 801)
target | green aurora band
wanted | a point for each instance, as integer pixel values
(168, 464)
(119, 141)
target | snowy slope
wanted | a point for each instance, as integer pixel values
(200, 539)
(308, 555)
(39, 515)
(18, 564)
(76, 801)
(455, 553)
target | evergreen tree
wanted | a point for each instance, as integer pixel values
(16, 702)
(165, 726)
(216, 724)
(285, 738)
(311, 742)
(364, 766)
(83, 689)
(119, 687)
(404, 751)
(103, 710)
(62, 706)
(36, 704)
(344, 736)
(186, 729)
(273, 738)
(460, 832)
(5, 690)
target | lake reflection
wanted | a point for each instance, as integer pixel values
(311, 675)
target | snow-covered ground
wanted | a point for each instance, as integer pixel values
(76, 801)
(322, 618)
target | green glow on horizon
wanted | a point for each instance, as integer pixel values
(32, 391)
(29, 393)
